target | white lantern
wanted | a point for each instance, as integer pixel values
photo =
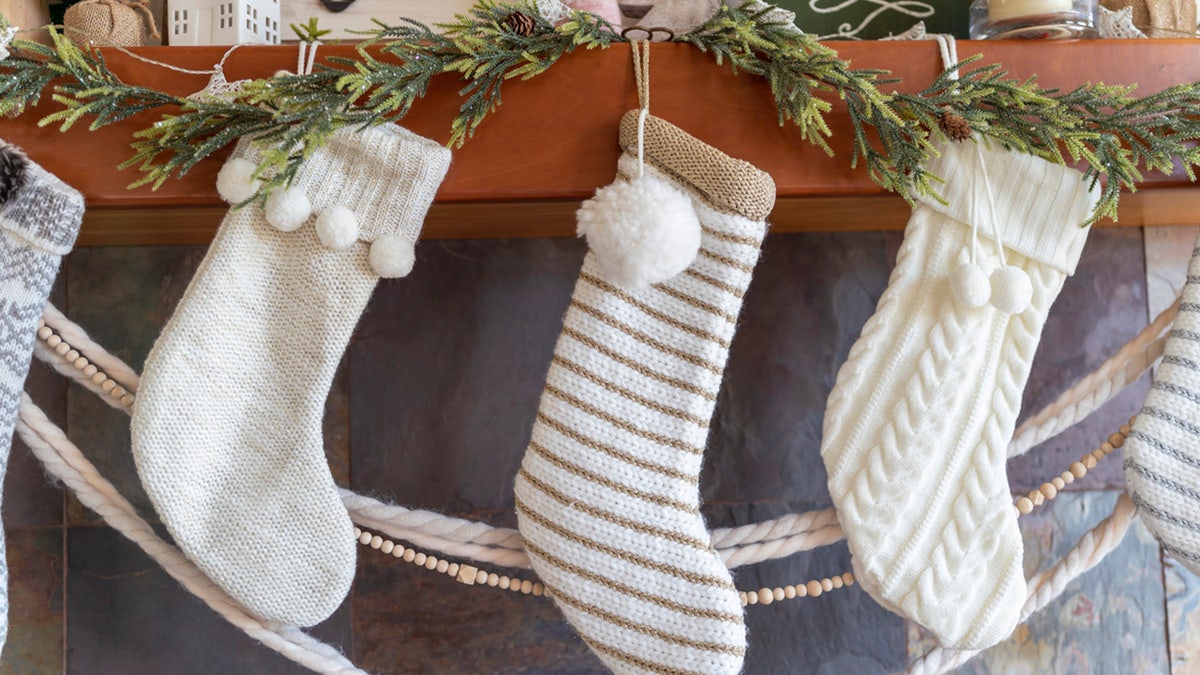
(223, 22)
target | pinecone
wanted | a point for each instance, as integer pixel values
(954, 125)
(519, 23)
(12, 171)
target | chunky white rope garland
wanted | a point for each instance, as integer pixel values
(63, 460)
(792, 533)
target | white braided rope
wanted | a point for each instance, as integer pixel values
(739, 546)
(1119, 371)
(1047, 584)
(63, 460)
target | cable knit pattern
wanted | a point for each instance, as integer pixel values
(1162, 455)
(607, 496)
(227, 423)
(918, 424)
(38, 224)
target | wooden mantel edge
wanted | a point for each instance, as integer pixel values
(174, 225)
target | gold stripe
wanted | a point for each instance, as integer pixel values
(583, 473)
(661, 316)
(595, 379)
(638, 335)
(622, 424)
(641, 368)
(698, 304)
(612, 518)
(589, 442)
(627, 556)
(716, 283)
(619, 587)
(625, 623)
(637, 661)
(736, 264)
(731, 237)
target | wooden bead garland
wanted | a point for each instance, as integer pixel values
(471, 575)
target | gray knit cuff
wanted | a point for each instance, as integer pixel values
(1040, 206)
(45, 211)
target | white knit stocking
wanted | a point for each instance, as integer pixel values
(227, 423)
(922, 411)
(607, 496)
(1162, 454)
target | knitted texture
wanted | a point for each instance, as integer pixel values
(607, 496)
(1162, 455)
(227, 424)
(918, 422)
(37, 226)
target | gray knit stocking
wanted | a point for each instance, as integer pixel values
(39, 219)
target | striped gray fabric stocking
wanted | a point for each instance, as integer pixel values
(39, 219)
(607, 496)
(1162, 454)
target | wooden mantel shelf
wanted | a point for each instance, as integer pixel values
(553, 142)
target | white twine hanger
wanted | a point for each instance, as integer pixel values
(641, 73)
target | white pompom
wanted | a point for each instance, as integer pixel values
(969, 285)
(337, 227)
(1011, 289)
(236, 182)
(642, 231)
(392, 256)
(286, 210)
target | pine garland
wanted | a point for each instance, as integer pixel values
(1117, 136)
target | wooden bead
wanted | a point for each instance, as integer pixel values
(1048, 490)
(62, 348)
(1088, 461)
(1126, 429)
(80, 363)
(357, 533)
(515, 586)
(387, 546)
(53, 340)
(837, 582)
(1038, 498)
(802, 591)
(470, 575)
(99, 377)
(364, 538)
(419, 559)
(44, 333)
(493, 579)
(1133, 419)
(1058, 483)
(1099, 454)
(399, 551)
(1078, 470)
(1117, 440)
(1067, 477)
(430, 562)
(89, 370)
(451, 569)
(1105, 448)
(71, 356)
(848, 579)
(526, 587)
(117, 392)
(765, 597)
(376, 542)
(777, 593)
(539, 589)
(410, 555)
(814, 588)
(504, 582)
(752, 598)
(826, 585)
(789, 592)
(743, 598)
(442, 567)
(1025, 505)
(481, 577)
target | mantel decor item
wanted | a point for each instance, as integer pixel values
(1033, 19)
(1160, 18)
(110, 22)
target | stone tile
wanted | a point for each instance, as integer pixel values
(1183, 615)
(35, 596)
(1168, 252)
(410, 620)
(448, 367)
(121, 296)
(843, 631)
(808, 302)
(126, 615)
(1111, 620)
(1100, 308)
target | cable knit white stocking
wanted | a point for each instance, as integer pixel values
(227, 423)
(607, 496)
(922, 411)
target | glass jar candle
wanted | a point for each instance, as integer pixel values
(1036, 19)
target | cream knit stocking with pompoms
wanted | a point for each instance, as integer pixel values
(607, 496)
(919, 420)
(227, 423)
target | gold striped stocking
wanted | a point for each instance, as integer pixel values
(607, 495)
